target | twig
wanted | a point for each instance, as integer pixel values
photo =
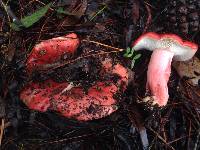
(108, 46)
(2, 130)
(149, 17)
(9, 12)
(189, 136)
(58, 65)
(197, 140)
(68, 88)
(41, 30)
(180, 138)
(163, 140)
(150, 5)
(2, 23)
(158, 14)
(68, 139)
(99, 12)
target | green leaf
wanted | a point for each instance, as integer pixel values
(129, 55)
(132, 50)
(16, 26)
(137, 56)
(125, 55)
(30, 20)
(127, 52)
(35, 17)
(132, 64)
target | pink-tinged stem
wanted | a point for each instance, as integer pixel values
(158, 73)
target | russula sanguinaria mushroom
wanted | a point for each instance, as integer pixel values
(99, 100)
(165, 47)
(49, 52)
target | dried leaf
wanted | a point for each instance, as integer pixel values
(189, 69)
(135, 11)
(2, 107)
(62, 11)
(81, 9)
(74, 12)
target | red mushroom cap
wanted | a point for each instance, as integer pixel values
(146, 41)
(72, 102)
(99, 100)
(49, 52)
(183, 50)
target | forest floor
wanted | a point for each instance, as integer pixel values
(110, 25)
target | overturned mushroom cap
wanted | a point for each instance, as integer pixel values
(49, 52)
(74, 103)
(100, 100)
(77, 102)
(183, 50)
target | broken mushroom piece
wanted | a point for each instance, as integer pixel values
(73, 103)
(164, 47)
(97, 102)
(78, 102)
(50, 52)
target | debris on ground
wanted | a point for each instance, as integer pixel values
(96, 67)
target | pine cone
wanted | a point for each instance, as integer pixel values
(182, 16)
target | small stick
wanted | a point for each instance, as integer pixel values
(68, 88)
(180, 138)
(2, 130)
(108, 46)
(9, 12)
(58, 65)
(149, 18)
(197, 140)
(161, 138)
(99, 12)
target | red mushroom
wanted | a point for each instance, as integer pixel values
(72, 102)
(99, 100)
(164, 47)
(50, 52)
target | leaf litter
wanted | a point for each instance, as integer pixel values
(133, 125)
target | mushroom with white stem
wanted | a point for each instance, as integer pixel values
(165, 47)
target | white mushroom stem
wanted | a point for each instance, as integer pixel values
(158, 73)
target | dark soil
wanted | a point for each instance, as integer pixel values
(117, 23)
